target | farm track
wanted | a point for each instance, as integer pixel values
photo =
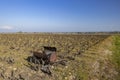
(86, 55)
(99, 59)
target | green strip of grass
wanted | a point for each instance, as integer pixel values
(116, 53)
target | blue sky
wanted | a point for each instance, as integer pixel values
(59, 15)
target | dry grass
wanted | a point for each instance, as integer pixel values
(87, 63)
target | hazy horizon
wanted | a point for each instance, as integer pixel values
(59, 15)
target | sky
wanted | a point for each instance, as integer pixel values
(59, 15)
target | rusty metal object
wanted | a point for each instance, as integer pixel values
(53, 57)
(48, 55)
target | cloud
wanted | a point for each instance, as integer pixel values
(6, 27)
